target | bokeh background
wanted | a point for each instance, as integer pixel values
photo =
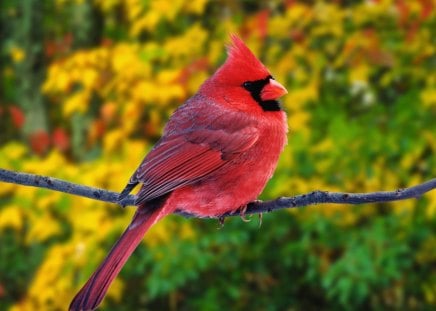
(86, 87)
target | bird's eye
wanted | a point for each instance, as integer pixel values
(247, 85)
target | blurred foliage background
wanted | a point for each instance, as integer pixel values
(86, 87)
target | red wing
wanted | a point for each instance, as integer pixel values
(182, 160)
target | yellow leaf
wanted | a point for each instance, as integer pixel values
(76, 103)
(428, 97)
(17, 54)
(89, 78)
(112, 141)
(195, 6)
(359, 73)
(42, 228)
(11, 217)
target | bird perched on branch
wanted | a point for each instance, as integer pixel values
(216, 154)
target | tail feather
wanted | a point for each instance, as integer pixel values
(93, 292)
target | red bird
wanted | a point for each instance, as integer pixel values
(217, 152)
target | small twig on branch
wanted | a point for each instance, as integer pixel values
(62, 186)
(315, 197)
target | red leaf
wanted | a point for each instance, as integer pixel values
(67, 41)
(60, 139)
(262, 23)
(404, 12)
(106, 42)
(427, 7)
(96, 131)
(290, 3)
(50, 48)
(17, 116)
(60, 46)
(196, 66)
(39, 142)
(297, 35)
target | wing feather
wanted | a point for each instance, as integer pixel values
(165, 178)
(189, 152)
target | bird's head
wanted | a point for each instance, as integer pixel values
(244, 82)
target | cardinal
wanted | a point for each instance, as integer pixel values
(216, 154)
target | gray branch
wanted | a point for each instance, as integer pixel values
(257, 207)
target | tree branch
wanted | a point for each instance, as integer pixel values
(315, 197)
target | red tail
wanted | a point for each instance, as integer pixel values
(93, 292)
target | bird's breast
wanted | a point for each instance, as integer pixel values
(239, 181)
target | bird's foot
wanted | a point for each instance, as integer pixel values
(260, 219)
(125, 193)
(121, 197)
(242, 212)
(221, 221)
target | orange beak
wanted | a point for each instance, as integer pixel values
(273, 90)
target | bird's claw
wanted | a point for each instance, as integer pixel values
(242, 212)
(125, 193)
(121, 198)
(221, 221)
